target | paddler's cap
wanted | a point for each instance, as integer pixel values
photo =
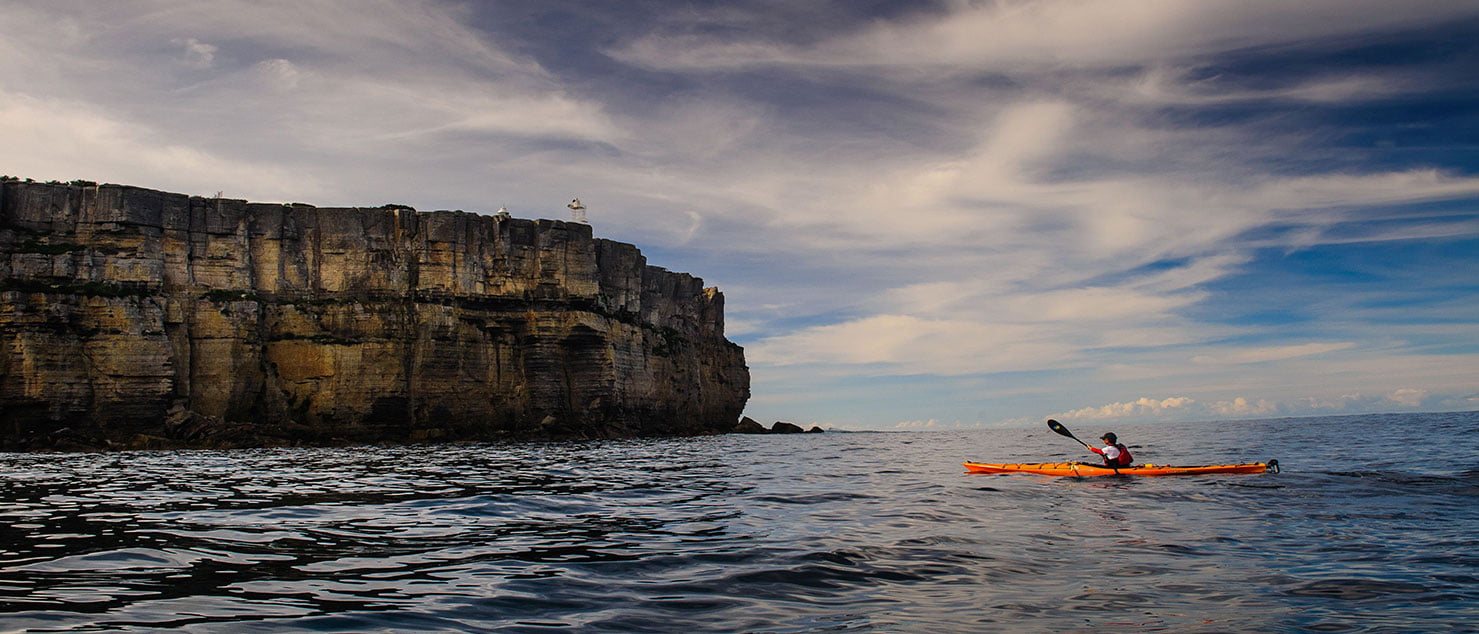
(1110, 437)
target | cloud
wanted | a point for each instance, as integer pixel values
(315, 84)
(1052, 34)
(1175, 85)
(890, 344)
(1181, 408)
(1140, 408)
(1008, 194)
(1408, 397)
(977, 325)
(1049, 34)
(44, 137)
(277, 75)
(1273, 353)
(197, 54)
(991, 218)
(916, 424)
(1243, 408)
(390, 35)
(330, 103)
(1337, 190)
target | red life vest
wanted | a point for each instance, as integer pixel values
(1124, 460)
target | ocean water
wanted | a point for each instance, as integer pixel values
(1372, 526)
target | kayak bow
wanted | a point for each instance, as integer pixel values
(1081, 469)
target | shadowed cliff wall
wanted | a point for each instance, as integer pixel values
(131, 317)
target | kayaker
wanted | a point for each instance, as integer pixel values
(1115, 454)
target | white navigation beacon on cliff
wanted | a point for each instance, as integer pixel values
(577, 211)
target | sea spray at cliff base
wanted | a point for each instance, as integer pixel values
(137, 318)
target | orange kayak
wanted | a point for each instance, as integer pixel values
(1081, 469)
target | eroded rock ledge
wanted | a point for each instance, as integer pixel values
(137, 318)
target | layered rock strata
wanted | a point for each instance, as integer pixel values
(137, 318)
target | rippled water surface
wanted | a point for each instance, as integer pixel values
(1371, 526)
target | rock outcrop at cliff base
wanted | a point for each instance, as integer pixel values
(137, 318)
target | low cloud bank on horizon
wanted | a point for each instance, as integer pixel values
(941, 211)
(1180, 409)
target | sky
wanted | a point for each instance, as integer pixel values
(923, 215)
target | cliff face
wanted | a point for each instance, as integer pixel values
(131, 317)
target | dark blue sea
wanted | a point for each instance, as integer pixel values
(1372, 526)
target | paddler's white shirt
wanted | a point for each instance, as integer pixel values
(1111, 452)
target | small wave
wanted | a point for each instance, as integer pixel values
(815, 498)
(1356, 589)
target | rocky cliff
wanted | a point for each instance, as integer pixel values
(138, 318)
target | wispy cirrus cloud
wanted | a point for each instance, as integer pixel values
(44, 137)
(1052, 34)
(282, 83)
(1273, 353)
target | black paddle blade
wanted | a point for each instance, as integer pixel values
(1058, 427)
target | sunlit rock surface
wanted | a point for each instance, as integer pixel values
(138, 318)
